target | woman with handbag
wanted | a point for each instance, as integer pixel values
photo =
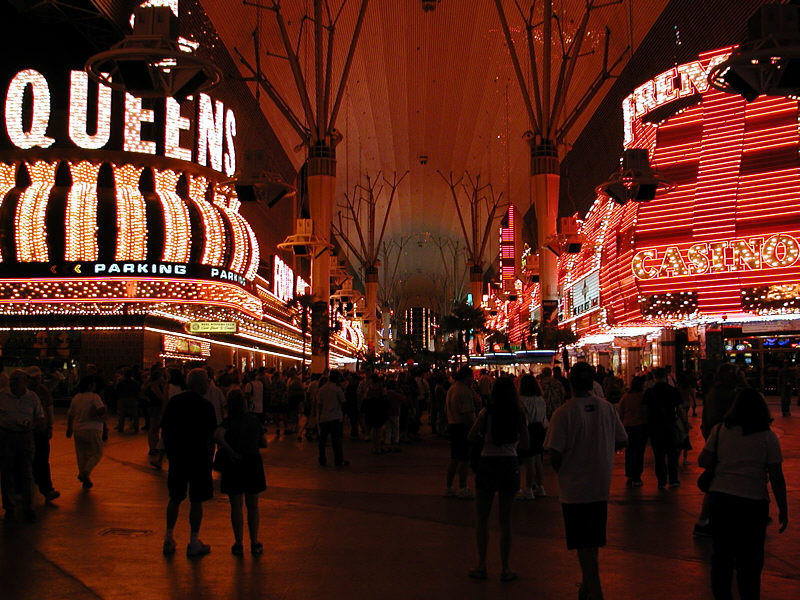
(239, 438)
(504, 428)
(743, 452)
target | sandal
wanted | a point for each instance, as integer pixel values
(479, 573)
(257, 548)
(169, 548)
(508, 576)
(237, 550)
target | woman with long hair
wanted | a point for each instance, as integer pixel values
(503, 427)
(716, 405)
(745, 453)
(535, 409)
(240, 436)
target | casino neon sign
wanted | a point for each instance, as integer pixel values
(725, 256)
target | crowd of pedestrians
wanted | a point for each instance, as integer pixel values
(499, 427)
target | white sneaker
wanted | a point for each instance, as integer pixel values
(465, 494)
(540, 491)
(449, 493)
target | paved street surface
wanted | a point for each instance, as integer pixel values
(379, 528)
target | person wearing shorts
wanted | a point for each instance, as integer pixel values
(503, 427)
(460, 411)
(583, 436)
(188, 425)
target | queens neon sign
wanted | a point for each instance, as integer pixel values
(751, 254)
(213, 126)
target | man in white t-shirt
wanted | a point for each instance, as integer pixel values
(582, 438)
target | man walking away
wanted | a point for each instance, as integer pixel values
(41, 438)
(330, 403)
(583, 436)
(661, 401)
(188, 426)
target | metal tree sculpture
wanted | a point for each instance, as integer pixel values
(551, 76)
(317, 130)
(362, 207)
(450, 250)
(476, 237)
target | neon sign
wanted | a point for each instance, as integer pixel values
(751, 254)
(283, 279)
(673, 84)
(213, 126)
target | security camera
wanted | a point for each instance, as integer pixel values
(423, 159)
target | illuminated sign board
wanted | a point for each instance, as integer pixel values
(726, 256)
(586, 294)
(174, 344)
(282, 279)
(200, 130)
(673, 84)
(132, 270)
(212, 327)
(508, 254)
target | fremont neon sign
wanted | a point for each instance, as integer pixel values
(751, 254)
(213, 125)
(673, 84)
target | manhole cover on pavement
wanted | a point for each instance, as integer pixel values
(126, 532)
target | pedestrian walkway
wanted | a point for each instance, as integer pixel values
(379, 529)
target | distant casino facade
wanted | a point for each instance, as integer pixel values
(122, 240)
(713, 265)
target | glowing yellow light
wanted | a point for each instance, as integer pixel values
(255, 254)
(135, 115)
(131, 215)
(240, 237)
(81, 222)
(213, 225)
(177, 227)
(210, 130)
(36, 136)
(79, 110)
(7, 182)
(31, 218)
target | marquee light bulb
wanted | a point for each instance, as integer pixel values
(7, 182)
(81, 222)
(174, 124)
(135, 115)
(213, 225)
(36, 136)
(31, 217)
(210, 132)
(241, 244)
(131, 214)
(79, 112)
(177, 226)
